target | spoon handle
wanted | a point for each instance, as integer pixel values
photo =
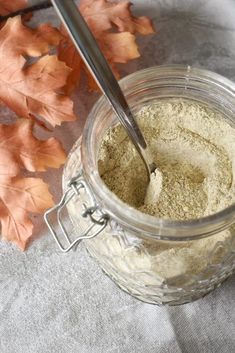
(90, 52)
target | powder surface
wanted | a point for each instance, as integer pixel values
(194, 150)
(193, 147)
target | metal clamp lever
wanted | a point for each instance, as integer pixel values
(97, 224)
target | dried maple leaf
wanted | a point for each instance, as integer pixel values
(8, 6)
(105, 19)
(68, 54)
(101, 15)
(117, 49)
(32, 90)
(20, 149)
(18, 197)
(17, 39)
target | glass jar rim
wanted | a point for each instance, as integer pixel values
(152, 226)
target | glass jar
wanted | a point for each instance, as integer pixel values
(156, 260)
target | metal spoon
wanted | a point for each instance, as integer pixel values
(102, 73)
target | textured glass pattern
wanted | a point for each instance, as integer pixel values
(155, 271)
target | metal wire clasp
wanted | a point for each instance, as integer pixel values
(98, 219)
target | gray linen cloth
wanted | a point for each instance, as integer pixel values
(55, 303)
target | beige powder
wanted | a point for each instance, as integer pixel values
(194, 150)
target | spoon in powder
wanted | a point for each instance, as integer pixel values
(89, 50)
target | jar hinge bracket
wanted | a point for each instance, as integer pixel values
(98, 219)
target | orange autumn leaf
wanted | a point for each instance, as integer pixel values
(33, 89)
(117, 48)
(21, 150)
(102, 15)
(17, 39)
(8, 6)
(18, 197)
(69, 55)
(105, 19)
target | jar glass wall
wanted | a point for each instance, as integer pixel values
(156, 260)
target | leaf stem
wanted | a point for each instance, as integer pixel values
(43, 5)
